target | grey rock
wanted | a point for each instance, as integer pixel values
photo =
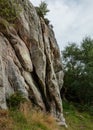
(2, 88)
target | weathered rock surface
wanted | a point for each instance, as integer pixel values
(30, 62)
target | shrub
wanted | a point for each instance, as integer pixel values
(15, 100)
(9, 10)
(46, 21)
(42, 9)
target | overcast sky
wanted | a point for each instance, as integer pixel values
(72, 19)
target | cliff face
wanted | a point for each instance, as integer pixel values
(30, 62)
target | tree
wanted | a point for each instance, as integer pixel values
(42, 10)
(78, 68)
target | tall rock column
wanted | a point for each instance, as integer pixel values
(54, 72)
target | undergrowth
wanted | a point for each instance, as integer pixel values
(27, 118)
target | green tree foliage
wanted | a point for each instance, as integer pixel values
(78, 68)
(42, 10)
(9, 10)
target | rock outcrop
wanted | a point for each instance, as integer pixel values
(30, 62)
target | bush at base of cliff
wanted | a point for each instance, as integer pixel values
(9, 10)
(15, 100)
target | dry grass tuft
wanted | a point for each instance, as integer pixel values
(5, 121)
(38, 118)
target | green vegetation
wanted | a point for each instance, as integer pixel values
(9, 10)
(4, 25)
(46, 21)
(78, 68)
(77, 120)
(26, 118)
(15, 100)
(42, 11)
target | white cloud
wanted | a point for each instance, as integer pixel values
(72, 19)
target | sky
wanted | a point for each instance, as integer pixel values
(72, 20)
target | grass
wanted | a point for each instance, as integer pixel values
(77, 120)
(28, 119)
